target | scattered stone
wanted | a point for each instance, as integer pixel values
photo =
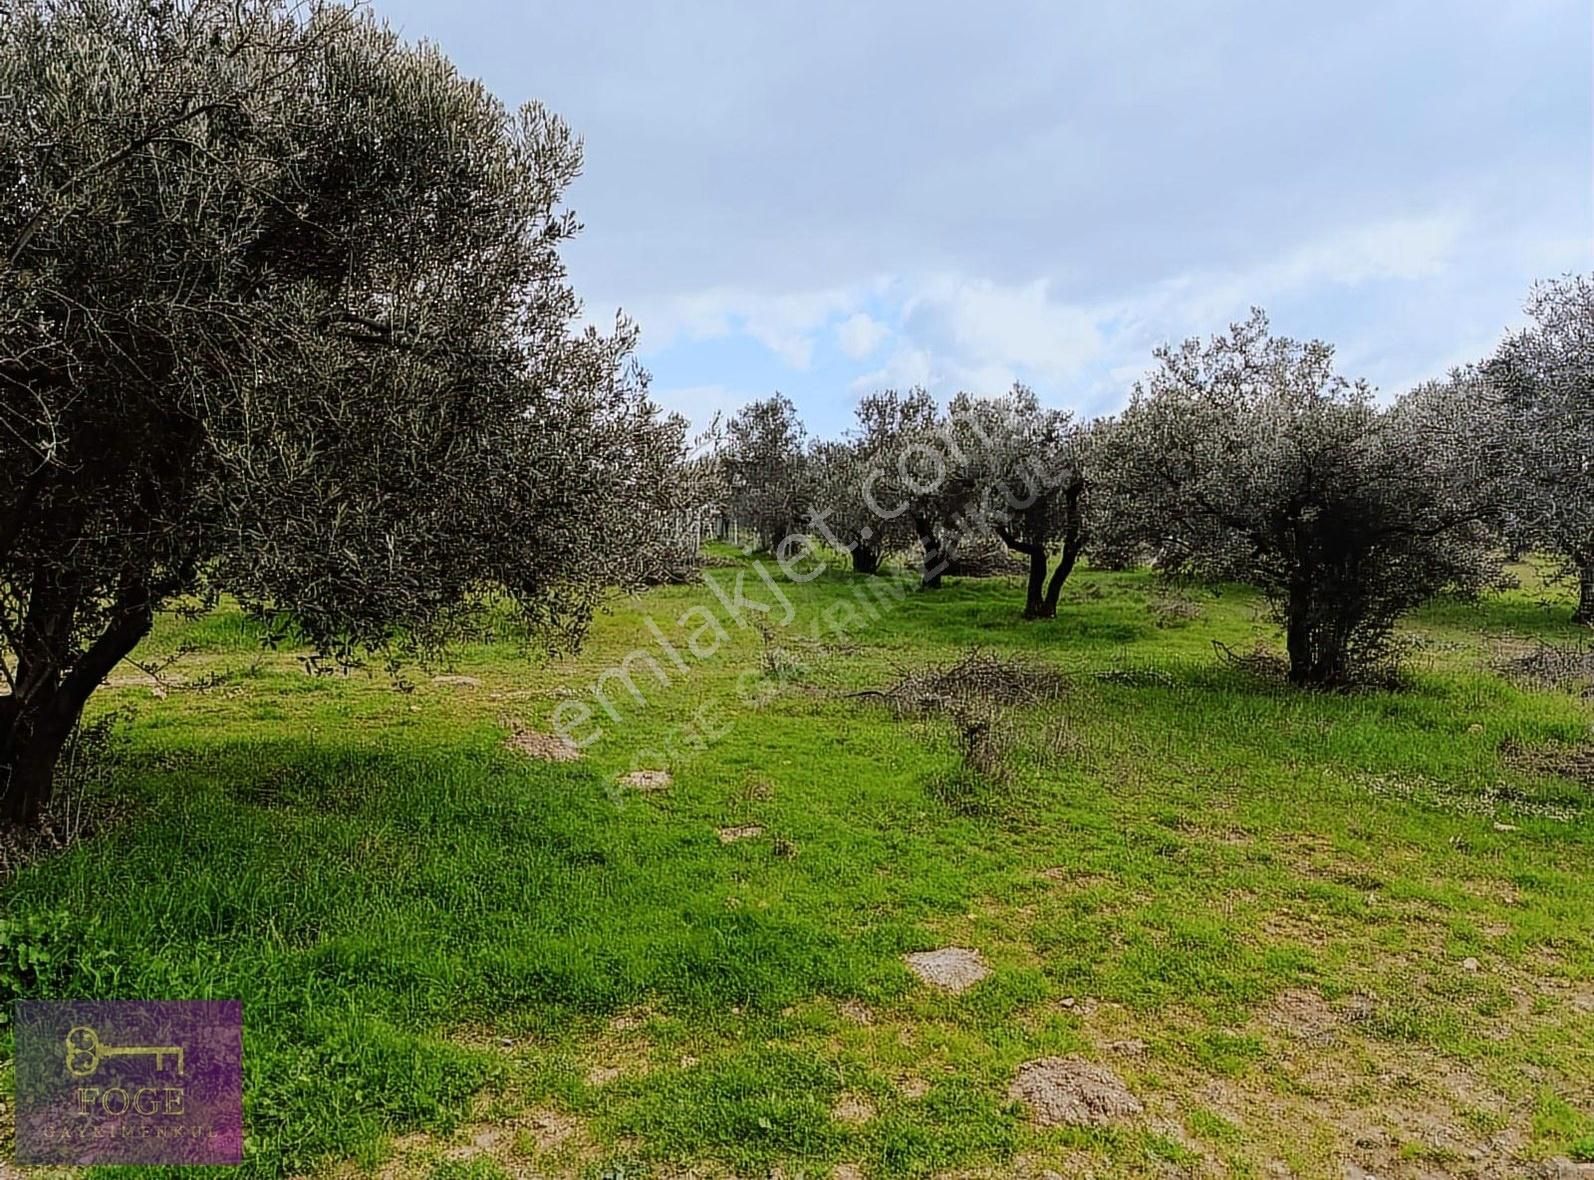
(1070, 1091)
(1470, 964)
(647, 780)
(549, 747)
(954, 968)
(847, 1172)
(506, 1042)
(1474, 728)
(853, 1110)
(1069, 1001)
(745, 832)
(627, 1021)
(1500, 827)
(1133, 1047)
(1357, 1172)
(458, 681)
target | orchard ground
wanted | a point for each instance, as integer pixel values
(1306, 931)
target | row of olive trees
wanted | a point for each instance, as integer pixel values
(283, 316)
(1246, 457)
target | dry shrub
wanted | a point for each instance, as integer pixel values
(973, 685)
(972, 697)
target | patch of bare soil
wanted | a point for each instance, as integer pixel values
(954, 968)
(1070, 1091)
(458, 681)
(1575, 762)
(745, 832)
(853, 1110)
(856, 1011)
(647, 780)
(548, 747)
(1553, 666)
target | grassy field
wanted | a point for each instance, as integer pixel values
(1305, 930)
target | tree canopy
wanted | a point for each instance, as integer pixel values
(282, 314)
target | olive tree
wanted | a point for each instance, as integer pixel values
(767, 478)
(1544, 376)
(1023, 464)
(1249, 458)
(282, 314)
(862, 500)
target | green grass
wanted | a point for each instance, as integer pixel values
(431, 933)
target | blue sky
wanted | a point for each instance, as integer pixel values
(824, 198)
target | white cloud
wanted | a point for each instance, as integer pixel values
(860, 334)
(786, 324)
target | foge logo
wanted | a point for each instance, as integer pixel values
(129, 1082)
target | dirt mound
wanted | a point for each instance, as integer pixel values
(549, 747)
(954, 968)
(1070, 1091)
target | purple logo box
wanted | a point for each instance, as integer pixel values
(129, 1082)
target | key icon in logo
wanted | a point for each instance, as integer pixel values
(84, 1052)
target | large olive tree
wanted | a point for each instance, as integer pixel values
(1249, 458)
(1544, 377)
(282, 314)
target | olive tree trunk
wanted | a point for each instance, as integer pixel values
(1585, 593)
(47, 697)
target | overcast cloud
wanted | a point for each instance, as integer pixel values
(825, 197)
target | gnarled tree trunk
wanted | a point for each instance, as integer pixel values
(48, 696)
(1585, 593)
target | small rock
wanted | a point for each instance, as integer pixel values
(1473, 728)
(1500, 827)
(647, 780)
(1357, 1172)
(745, 832)
(1070, 1091)
(506, 1042)
(458, 681)
(954, 968)
(1133, 1047)
(1069, 1001)
(1469, 964)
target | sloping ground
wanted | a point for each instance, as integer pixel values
(1256, 932)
